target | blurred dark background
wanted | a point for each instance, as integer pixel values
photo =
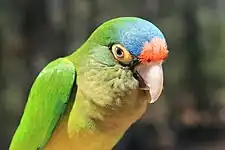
(190, 114)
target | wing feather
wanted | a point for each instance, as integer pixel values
(47, 101)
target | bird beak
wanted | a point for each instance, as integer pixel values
(151, 79)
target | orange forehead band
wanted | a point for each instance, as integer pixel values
(155, 50)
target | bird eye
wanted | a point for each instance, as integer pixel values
(121, 54)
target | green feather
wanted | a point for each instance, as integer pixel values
(47, 101)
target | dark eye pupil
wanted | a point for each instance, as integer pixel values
(119, 52)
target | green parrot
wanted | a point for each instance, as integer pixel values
(87, 100)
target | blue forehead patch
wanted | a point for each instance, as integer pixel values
(133, 35)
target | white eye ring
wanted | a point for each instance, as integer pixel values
(121, 54)
(118, 51)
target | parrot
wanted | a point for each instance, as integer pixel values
(88, 99)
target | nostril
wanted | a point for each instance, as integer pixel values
(149, 60)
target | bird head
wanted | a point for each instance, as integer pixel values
(133, 44)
